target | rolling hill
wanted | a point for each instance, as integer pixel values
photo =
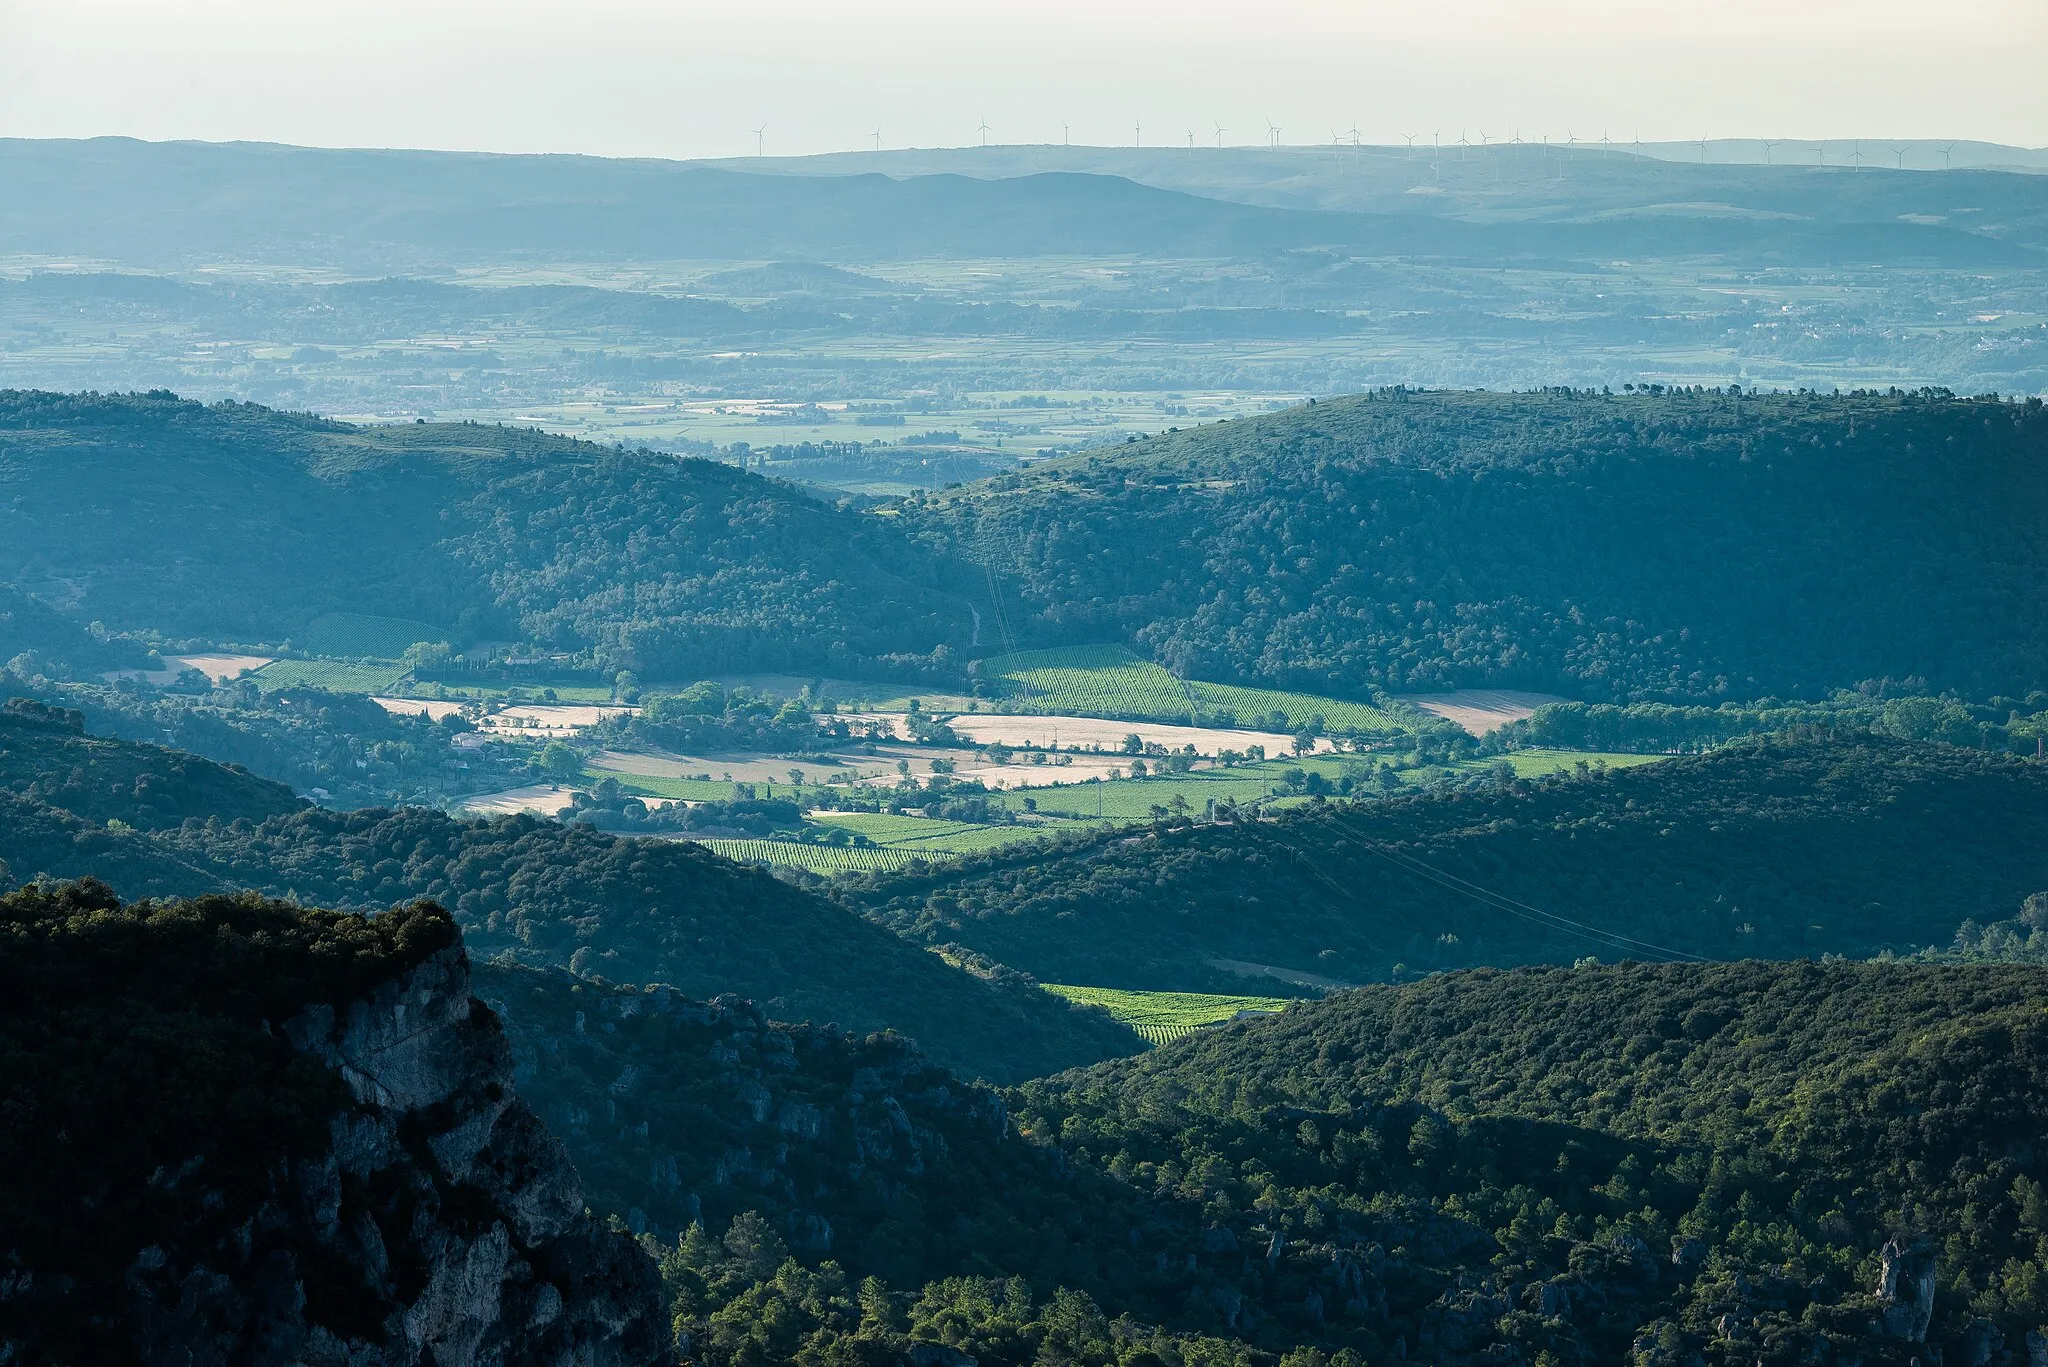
(1698, 546)
(236, 523)
(1774, 847)
(1678, 546)
(1663, 1164)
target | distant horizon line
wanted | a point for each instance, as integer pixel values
(1873, 146)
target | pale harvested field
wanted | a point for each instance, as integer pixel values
(1480, 710)
(1089, 734)
(434, 708)
(547, 721)
(537, 721)
(741, 768)
(544, 799)
(219, 668)
(876, 770)
(1084, 767)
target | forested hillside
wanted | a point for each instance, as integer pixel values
(1664, 1164)
(635, 910)
(45, 756)
(1680, 546)
(236, 523)
(1773, 847)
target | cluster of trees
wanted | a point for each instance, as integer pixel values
(37, 639)
(1696, 546)
(708, 716)
(2008, 724)
(1801, 844)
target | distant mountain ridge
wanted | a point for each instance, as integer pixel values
(387, 210)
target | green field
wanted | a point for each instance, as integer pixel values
(1162, 1017)
(922, 835)
(355, 636)
(1110, 681)
(1127, 799)
(332, 675)
(682, 789)
(824, 859)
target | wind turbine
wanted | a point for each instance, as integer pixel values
(1944, 155)
(1769, 143)
(983, 130)
(1463, 143)
(1191, 140)
(1272, 133)
(1900, 153)
(1823, 151)
(1703, 151)
(1571, 142)
(1605, 145)
(1857, 155)
(1411, 140)
(760, 139)
(1354, 132)
(1220, 131)
(877, 136)
(1066, 135)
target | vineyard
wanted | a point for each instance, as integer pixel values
(332, 675)
(1110, 681)
(1163, 1017)
(922, 835)
(355, 636)
(820, 859)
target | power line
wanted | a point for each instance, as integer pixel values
(1607, 939)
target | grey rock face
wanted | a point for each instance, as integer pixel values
(444, 1224)
(1905, 1287)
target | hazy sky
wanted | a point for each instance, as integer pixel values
(631, 77)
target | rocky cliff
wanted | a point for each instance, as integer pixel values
(243, 1132)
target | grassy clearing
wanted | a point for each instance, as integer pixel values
(333, 675)
(355, 635)
(681, 789)
(1110, 681)
(1162, 1017)
(1537, 763)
